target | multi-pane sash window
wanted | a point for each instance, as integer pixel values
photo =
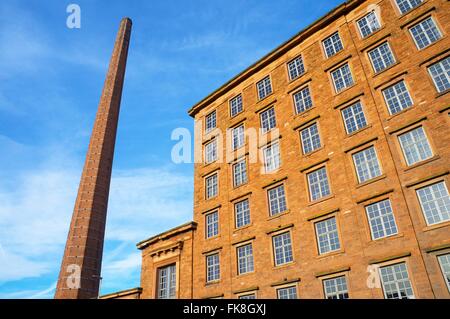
(242, 213)
(381, 219)
(212, 186)
(264, 87)
(310, 138)
(210, 122)
(282, 248)
(236, 105)
(366, 164)
(240, 173)
(368, 24)
(381, 57)
(318, 184)
(425, 33)
(303, 100)
(444, 262)
(332, 44)
(212, 267)
(238, 137)
(415, 146)
(167, 282)
(296, 68)
(406, 5)
(327, 236)
(440, 72)
(277, 200)
(435, 203)
(287, 293)
(397, 97)
(212, 224)
(268, 120)
(335, 288)
(396, 283)
(211, 151)
(245, 259)
(272, 159)
(342, 78)
(248, 296)
(354, 118)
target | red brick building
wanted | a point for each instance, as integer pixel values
(333, 181)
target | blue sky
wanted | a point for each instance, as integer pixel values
(50, 83)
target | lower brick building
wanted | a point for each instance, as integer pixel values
(324, 168)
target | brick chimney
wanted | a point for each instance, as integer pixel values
(80, 272)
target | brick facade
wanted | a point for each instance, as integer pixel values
(415, 242)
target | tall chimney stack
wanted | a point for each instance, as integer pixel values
(80, 272)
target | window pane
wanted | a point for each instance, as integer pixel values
(211, 152)
(277, 200)
(440, 72)
(407, 5)
(242, 211)
(212, 224)
(425, 33)
(245, 259)
(342, 78)
(332, 45)
(240, 173)
(444, 261)
(282, 249)
(210, 121)
(381, 219)
(236, 105)
(167, 282)
(296, 68)
(272, 159)
(415, 146)
(397, 97)
(302, 100)
(368, 24)
(264, 87)
(212, 267)
(310, 138)
(395, 281)
(318, 184)
(354, 118)
(336, 288)
(211, 186)
(366, 164)
(327, 236)
(287, 293)
(238, 137)
(381, 57)
(268, 121)
(435, 203)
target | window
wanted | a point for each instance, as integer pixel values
(335, 288)
(425, 33)
(211, 186)
(248, 296)
(415, 146)
(296, 68)
(277, 200)
(210, 122)
(381, 219)
(368, 24)
(444, 262)
(282, 249)
(236, 105)
(318, 184)
(354, 118)
(440, 72)
(238, 137)
(264, 87)
(435, 203)
(240, 173)
(407, 5)
(302, 100)
(395, 281)
(268, 121)
(397, 97)
(245, 259)
(242, 213)
(212, 224)
(211, 152)
(332, 44)
(310, 138)
(167, 282)
(381, 57)
(287, 293)
(342, 78)
(272, 159)
(212, 267)
(327, 236)
(366, 164)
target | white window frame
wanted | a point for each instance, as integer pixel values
(211, 152)
(327, 235)
(372, 28)
(385, 219)
(356, 118)
(386, 61)
(396, 280)
(298, 67)
(213, 267)
(414, 147)
(242, 213)
(371, 167)
(409, 3)
(288, 288)
(266, 88)
(212, 224)
(214, 187)
(321, 193)
(405, 96)
(285, 249)
(445, 273)
(334, 46)
(245, 261)
(170, 289)
(279, 200)
(210, 118)
(236, 103)
(342, 78)
(311, 141)
(338, 292)
(425, 33)
(240, 176)
(440, 214)
(270, 122)
(302, 100)
(272, 157)
(445, 74)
